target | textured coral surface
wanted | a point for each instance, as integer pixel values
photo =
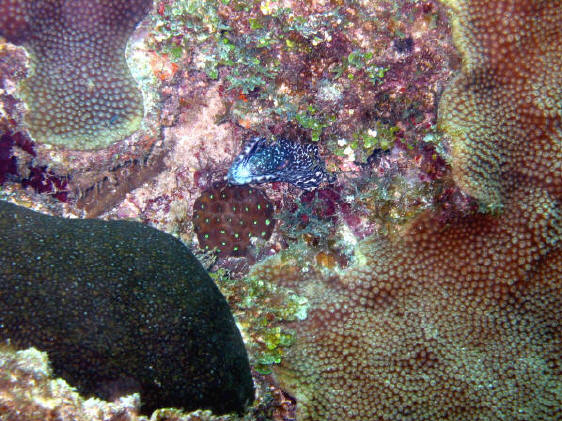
(226, 217)
(503, 112)
(120, 307)
(459, 317)
(446, 323)
(80, 94)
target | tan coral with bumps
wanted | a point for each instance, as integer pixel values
(459, 319)
(446, 323)
(503, 112)
(80, 93)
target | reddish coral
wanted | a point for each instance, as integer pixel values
(445, 323)
(227, 217)
(457, 319)
(502, 113)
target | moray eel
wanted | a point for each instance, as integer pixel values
(264, 161)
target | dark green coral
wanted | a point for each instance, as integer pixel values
(120, 307)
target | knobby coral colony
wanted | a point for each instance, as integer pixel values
(226, 217)
(455, 321)
(263, 161)
(81, 94)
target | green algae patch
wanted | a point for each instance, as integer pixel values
(120, 308)
(263, 309)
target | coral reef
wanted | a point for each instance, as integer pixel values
(197, 150)
(355, 79)
(80, 94)
(456, 318)
(203, 55)
(226, 217)
(120, 308)
(91, 182)
(322, 71)
(281, 160)
(503, 111)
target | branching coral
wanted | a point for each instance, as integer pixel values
(458, 318)
(81, 94)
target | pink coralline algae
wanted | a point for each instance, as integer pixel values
(39, 177)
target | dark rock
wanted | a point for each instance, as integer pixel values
(404, 45)
(120, 307)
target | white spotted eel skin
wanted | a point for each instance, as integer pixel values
(264, 161)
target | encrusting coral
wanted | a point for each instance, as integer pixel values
(458, 319)
(444, 324)
(80, 93)
(503, 111)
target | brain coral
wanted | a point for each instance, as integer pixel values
(80, 93)
(227, 217)
(457, 320)
(503, 112)
(119, 307)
